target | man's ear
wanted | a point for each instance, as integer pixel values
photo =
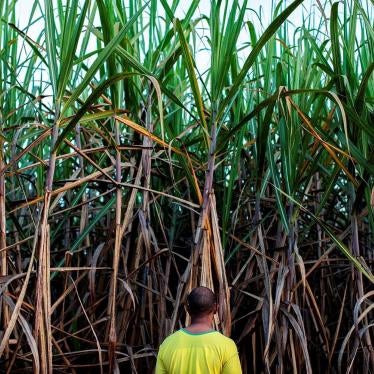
(215, 308)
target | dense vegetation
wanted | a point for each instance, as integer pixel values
(130, 173)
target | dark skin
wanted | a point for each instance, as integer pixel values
(201, 322)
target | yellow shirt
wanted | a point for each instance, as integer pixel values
(201, 353)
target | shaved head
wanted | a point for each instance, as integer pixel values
(201, 301)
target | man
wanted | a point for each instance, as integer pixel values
(198, 349)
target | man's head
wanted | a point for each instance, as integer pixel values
(201, 302)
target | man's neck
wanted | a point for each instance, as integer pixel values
(200, 324)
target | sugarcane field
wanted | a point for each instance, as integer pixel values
(187, 186)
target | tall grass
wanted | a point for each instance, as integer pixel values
(129, 175)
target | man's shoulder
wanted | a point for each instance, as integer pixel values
(171, 337)
(224, 339)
